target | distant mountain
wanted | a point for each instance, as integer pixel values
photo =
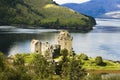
(96, 8)
(43, 13)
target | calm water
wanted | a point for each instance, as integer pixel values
(103, 41)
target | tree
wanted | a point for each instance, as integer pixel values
(65, 70)
(61, 68)
(76, 70)
(42, 68)
(15, 73)
(72, 70)
(65, 65)
(2, 61)
(99, 60)
(19, 60)
(64, 52)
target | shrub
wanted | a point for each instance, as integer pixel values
(99, 60)
(2, 60)
(83, 56)
(64, 52)
(19, 60)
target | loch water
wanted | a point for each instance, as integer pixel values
(103, 40)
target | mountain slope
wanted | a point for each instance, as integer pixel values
(44, 13)
(95, 8)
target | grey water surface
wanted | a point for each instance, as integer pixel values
(103, 40)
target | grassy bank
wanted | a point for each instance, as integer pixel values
(108, 65)
(89, 64)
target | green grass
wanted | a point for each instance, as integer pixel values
(91, 65)
(58, 58)
(86, 64)
(28, 57)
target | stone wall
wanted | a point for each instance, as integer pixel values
(46, 50)
(35, 46)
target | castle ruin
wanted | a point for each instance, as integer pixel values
(63, 41)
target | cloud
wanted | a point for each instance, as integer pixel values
(70, 1)
(118, 5)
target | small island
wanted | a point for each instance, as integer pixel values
(56, 62)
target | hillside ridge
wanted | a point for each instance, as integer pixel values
(47, 14)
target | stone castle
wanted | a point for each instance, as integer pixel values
(63, 41)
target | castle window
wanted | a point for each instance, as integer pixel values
(36, 51)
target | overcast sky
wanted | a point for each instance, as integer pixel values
(70, 1)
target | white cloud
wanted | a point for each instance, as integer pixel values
(114, 14)
(118, 5)
(70, 1)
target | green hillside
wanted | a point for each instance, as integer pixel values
(42, 13)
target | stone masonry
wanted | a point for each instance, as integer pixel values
(35, 46)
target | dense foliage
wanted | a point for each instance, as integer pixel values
(36, 67)
(43, 13)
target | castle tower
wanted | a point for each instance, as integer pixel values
(35, 46)
(64, 39)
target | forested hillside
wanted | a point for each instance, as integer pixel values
(42, 13)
